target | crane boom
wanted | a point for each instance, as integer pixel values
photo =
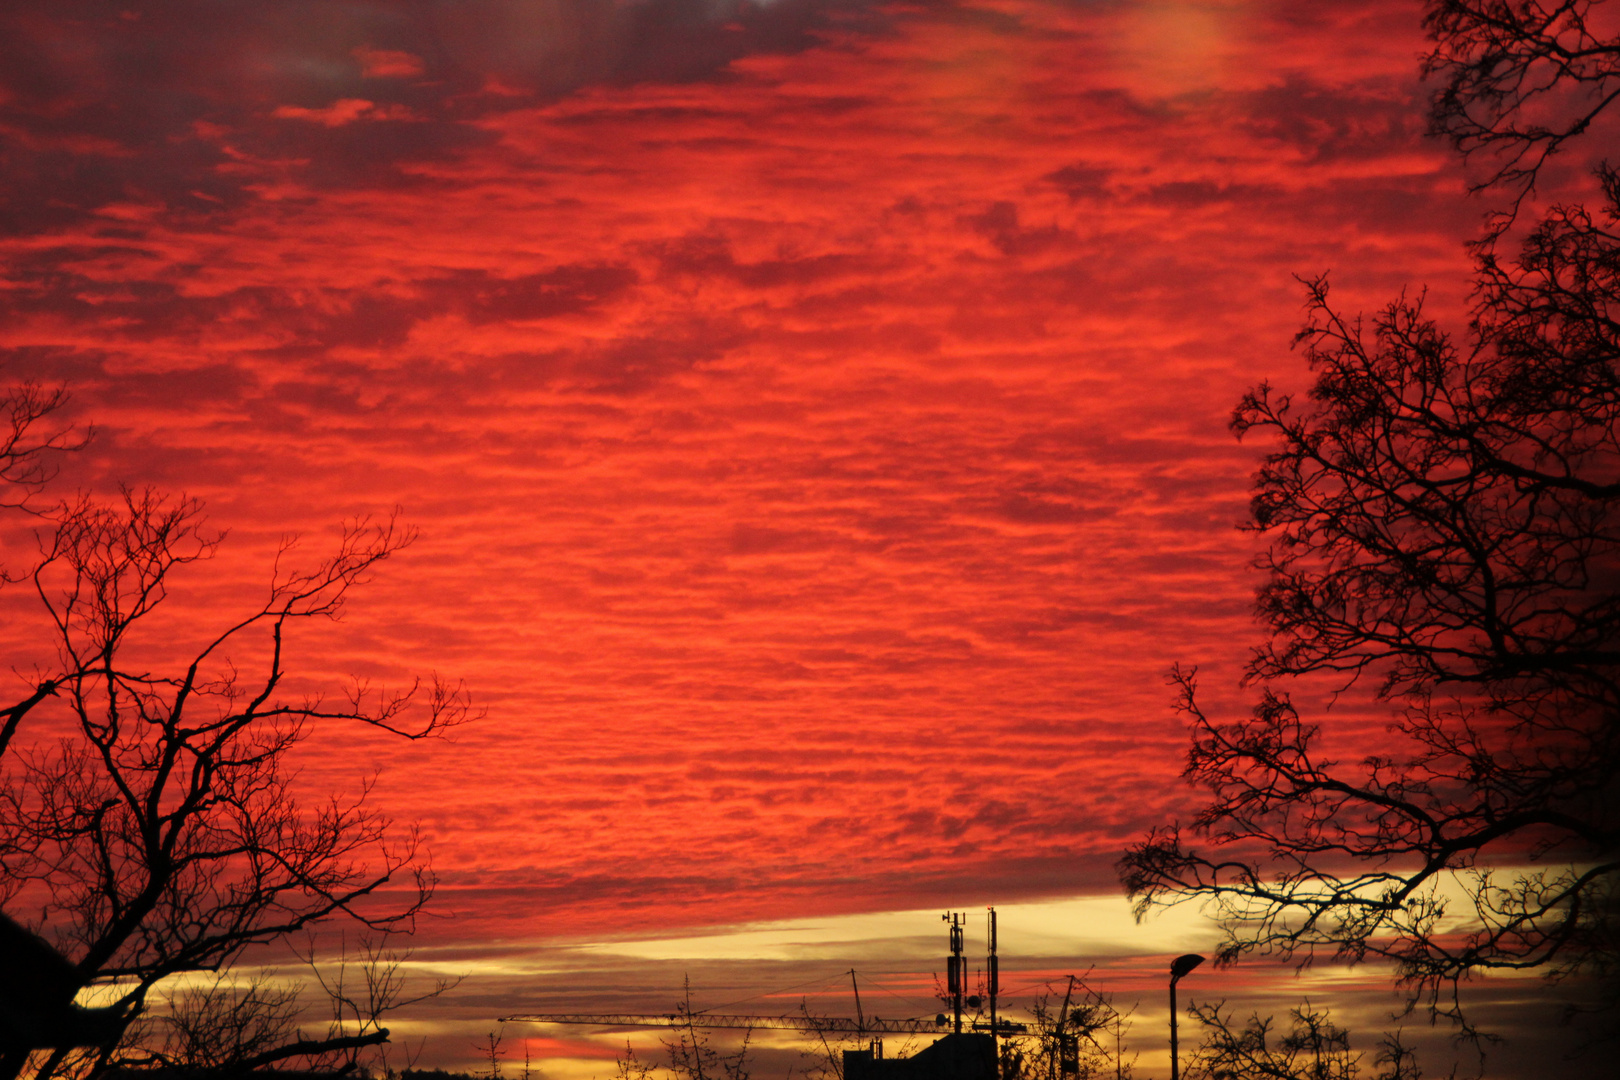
(871, 1024)
(866, 1024)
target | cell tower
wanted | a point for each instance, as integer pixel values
(956, 967)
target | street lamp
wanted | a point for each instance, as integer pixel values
(1178, 967)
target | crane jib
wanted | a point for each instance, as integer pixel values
(873, 1024)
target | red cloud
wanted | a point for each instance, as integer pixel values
(340, 112)
(387, 63)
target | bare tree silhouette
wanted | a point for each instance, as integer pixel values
(1443, 520)
(693, 1057)
(152, 821)
(1076, 1034)
(1313, 1048)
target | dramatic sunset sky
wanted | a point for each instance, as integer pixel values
(814, 414)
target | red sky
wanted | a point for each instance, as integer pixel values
(814, 413)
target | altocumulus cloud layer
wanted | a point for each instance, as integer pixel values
(814, 413)
(164, 98)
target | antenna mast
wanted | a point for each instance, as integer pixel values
(956, 969)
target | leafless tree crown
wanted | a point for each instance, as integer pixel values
(1442, 519)
(149, 821)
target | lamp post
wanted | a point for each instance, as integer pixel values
(1178, 967)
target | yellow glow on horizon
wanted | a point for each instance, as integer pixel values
(1078, 926)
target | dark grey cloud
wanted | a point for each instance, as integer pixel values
(188, 103)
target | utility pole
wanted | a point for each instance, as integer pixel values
(993, 984)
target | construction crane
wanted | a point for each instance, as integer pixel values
(866, 1025)
(873, 1024)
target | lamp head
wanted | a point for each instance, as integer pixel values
(1183, 964)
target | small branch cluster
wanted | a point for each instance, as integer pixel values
(1313, 1048)
(1079, 1035)
(1517, 80)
